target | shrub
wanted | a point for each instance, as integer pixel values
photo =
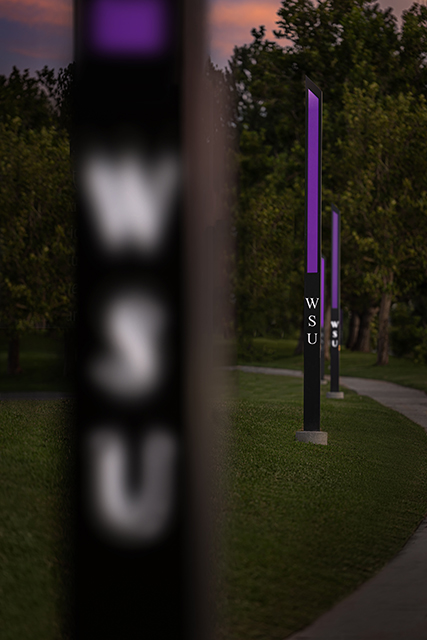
(408, 336)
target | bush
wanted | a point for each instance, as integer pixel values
(408, 336)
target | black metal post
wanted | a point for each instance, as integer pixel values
(313, 207)
(335, 305)
(322, 320)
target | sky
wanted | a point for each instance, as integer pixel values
(35, 33)
(231, 22)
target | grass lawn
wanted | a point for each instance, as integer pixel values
(35, 507)
(42, 362)
(304, 525)
(279, 354)
(301, 526)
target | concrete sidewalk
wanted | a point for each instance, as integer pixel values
(393, 604)
(390, 606)
(293, 373)
(411, 402)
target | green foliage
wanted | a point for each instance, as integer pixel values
(374, 80)
(22, 96)
(267, 237)
(42, 101)
(384, 167)
(409, 330)
(60, 91)
(36, 197)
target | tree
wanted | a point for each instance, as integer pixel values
(384, 169)
(266, 232)
(60, 90)
(271, 188)
(342, 46)
(23, 96)
(36, 196)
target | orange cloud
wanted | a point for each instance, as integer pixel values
(247, 14)
(230, 24)
(58, 13)
(46, 53)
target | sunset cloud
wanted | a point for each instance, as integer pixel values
(58, 13)
(32, 47)
(230, 24)
(38, 32)
(39, 52)
(248, 13)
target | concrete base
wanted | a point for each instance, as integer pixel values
(335, 395)
(316, 437)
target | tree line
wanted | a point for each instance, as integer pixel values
(373, 75)
(37, 206)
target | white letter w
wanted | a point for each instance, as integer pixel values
(311, 302)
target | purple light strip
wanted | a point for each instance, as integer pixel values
(129, 27)
(322, 293)
(335, 258)
(313, 183)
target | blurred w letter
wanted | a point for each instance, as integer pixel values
(130, 197)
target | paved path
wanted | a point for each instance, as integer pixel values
(411, 402)
(268, 370)
(393, 604)
(390, 606)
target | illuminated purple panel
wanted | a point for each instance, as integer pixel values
(322, 293)
(312, 183)
(136, 27)
(335, 258)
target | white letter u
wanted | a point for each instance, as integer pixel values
(315, 338)
(129, 516)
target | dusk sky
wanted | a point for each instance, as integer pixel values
(34, 33)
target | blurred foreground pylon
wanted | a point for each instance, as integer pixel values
(145, 321)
